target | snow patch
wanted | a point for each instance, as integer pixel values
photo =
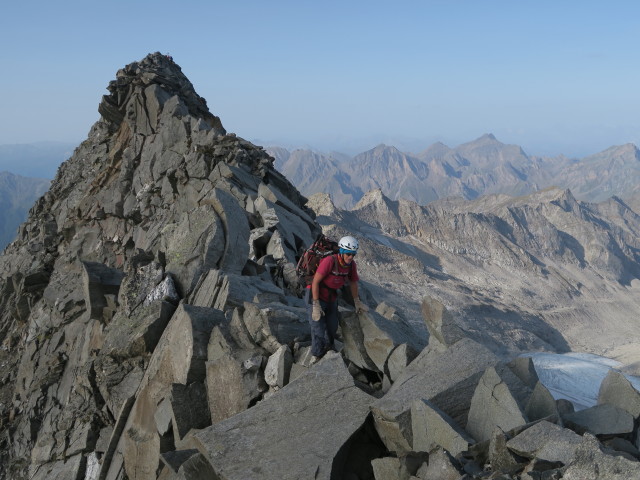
(575, 376)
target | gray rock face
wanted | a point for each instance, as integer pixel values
(326, 391)
(440, 322)
(603, 419)
(590, 461)
(370, 339)
(497, 402)
(546, 441)
(541, 404)
(616, 390)
(433, 428)
(446, 379)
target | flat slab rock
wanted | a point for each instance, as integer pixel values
(546, 441)
(294, 434)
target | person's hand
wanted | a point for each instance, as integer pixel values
(317, 312)
(360, 307)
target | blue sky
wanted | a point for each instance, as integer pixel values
(552, 76)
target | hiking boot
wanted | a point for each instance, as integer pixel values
(314, 360)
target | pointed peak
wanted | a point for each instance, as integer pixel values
(381, 148)
(486, 138)
(145, 86)
(437, 149)
(375, 197)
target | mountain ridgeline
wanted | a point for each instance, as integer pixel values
(482, 167)
(152, 324)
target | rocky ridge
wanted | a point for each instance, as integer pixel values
(152, 328)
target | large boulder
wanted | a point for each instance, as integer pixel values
(546, 441)
(616, 390)
(433, 428)
(446, 379)
(498, 401)
(179, 358)
(605, 419)
(300, 432)
(235, 378)
(440, 323)
(193, 244)
(541, 404)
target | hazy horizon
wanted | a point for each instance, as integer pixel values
(553, 77)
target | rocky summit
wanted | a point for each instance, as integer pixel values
(152, 326)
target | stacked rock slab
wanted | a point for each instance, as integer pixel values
(288, 432)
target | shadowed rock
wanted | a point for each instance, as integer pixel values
(99, 281)
(137, 333)
(603, 419)
(322, 407)
(175, 459)
(400, 357)
(541, 404)
(272, 325)
(375, 337)
(525, 370)
(440, 323)
(179, 358)
(189, 408)
(234, 370)
(500, 457)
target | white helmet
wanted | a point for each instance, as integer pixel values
(348, 243)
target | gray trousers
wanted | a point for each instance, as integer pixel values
(323, 332)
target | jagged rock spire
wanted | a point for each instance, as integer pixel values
(142, 88)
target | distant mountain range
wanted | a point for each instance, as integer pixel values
(481, 167)
(17, 196)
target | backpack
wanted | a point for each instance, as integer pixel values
(310, 259)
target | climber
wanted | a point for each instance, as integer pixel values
(322, 296)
